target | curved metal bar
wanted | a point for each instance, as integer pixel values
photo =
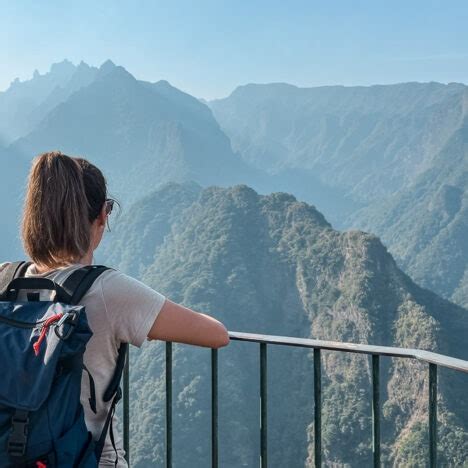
(419, 354)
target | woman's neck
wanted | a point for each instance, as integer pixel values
(85, 260)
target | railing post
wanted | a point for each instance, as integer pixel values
(376, 409)
(126, 408)
(263, 406)
(317, 408)
(432, 415)
(168, 404)
(214, 408)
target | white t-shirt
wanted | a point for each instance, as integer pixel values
(119, 309)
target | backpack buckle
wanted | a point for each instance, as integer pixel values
(16, 446)
(68, 318)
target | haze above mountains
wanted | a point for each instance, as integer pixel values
(389, 159)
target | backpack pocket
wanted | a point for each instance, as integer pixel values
(76, 447)
(30, 337)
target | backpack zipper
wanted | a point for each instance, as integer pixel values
(44, 325)
(44, 329)
(21, 324)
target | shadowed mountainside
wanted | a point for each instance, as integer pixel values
(426, 225)
(24, 103)
(139, 133)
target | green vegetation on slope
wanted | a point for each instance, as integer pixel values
(394, 155)
(271, 264)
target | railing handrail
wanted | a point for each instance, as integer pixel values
(432, 359)
(419, 354)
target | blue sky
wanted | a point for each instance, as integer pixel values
(207, 48)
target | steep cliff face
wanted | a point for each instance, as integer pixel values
(271, 264)
(425, 225)
(367, 141)
(395, 158)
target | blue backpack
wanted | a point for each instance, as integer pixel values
(42, 345)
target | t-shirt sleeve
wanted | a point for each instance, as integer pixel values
(131, 306)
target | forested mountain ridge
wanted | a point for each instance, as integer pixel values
(395, 155)
(271, 264)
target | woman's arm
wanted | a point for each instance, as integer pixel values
(182, 325)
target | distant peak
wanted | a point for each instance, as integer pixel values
(64, 65)
(110, 70)
(163, 83)
(83, 64)
(108, 65)
(16, 82)
(251, 88)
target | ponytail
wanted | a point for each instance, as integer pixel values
(56, 224)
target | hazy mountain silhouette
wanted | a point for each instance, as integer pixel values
(371, 157)
(12, 184)
(426, 224)
(81, 77)
(140, 133)
(20, 100)
(368, 142)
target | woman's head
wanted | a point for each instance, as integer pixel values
(65, 210)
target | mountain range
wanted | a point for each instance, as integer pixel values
(141, 134)
(386, 159)
(395, 156)
(274, 265)
(390, 160)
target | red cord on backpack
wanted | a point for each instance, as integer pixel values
(39, 464)
(44, 329)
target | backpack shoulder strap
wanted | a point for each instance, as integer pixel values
(9, 273)
(76, 285)
(114, 393)
(114, 384)
(79, 282)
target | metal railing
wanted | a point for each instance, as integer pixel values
(432, 359)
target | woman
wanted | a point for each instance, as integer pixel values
(65, 215)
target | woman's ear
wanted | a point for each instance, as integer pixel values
(102, 218)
